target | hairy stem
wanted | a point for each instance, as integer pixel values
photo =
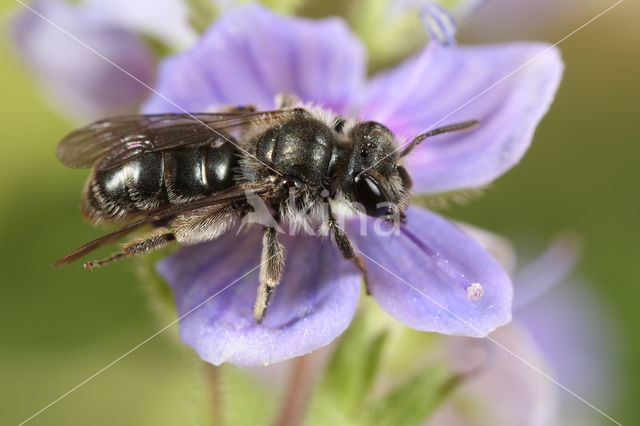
(212, 374)
(296, 394)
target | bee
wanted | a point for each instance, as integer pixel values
(191, 177)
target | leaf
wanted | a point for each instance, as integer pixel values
(201, 14)
(245, 400)
(372, 363)
(412, 402)
(389, 33)
(155, 287)
(284, 6)
(349, 377)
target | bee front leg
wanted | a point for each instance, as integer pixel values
(153, 241)
(346, 248)
(270, 271)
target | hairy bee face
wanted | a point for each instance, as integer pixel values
(374, 179)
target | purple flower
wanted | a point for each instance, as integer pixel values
(166, 21)
(572, 328)
(558, 329)
(249, 56)
(77, 80)
(500, 390)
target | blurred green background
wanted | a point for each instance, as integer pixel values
(59, 326)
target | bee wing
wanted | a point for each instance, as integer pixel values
(233, 194)
(113, 141)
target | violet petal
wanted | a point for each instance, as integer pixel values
(251, 54)
(313, 304)
(166, 20)
(81, 82)
(578, 336)
(500, 389)
(547, 270)
(441, 86)
(437, 302)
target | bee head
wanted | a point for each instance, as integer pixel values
(375, 180)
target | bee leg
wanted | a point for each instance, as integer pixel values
(286, 100)
(204, 227)
(153, 241)
(346, 248)
(239, 108)
(270, 271)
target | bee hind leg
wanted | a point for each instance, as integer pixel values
(153, 241)
(272, 264)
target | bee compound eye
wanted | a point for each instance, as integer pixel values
(371, 196)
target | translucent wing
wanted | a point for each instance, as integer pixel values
(236, 193)
(110, 142)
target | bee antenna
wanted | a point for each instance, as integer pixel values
(440, 130)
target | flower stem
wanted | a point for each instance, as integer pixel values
(296, 394)
(212, 375)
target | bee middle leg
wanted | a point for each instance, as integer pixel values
(346, 248)
(239, 108)
(287, 100)
(272, 264)
(155, 240)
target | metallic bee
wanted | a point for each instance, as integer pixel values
(190, 176)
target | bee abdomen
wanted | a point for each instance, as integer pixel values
(192, 173)
(144, 181)
(106, 196)
(185, 175)
(136, 185)
(158, 179)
